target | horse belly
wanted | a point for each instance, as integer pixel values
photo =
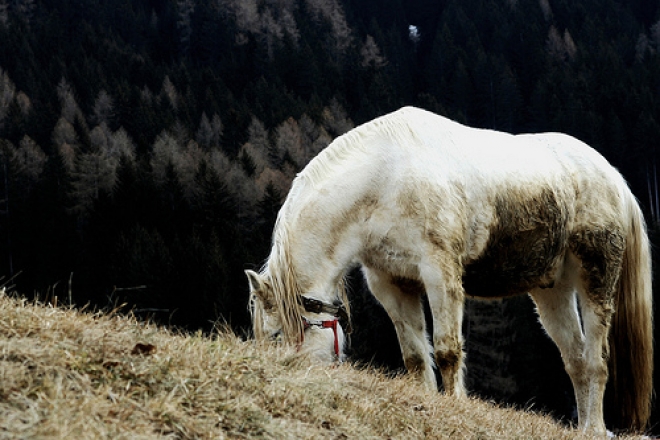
(508, 275)
(524, 250)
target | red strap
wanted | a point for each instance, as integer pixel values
(333, 325)
(324, 324)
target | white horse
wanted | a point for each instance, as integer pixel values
(429, 206)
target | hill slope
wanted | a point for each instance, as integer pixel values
(67, 374)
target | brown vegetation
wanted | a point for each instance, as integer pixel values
(69, 374)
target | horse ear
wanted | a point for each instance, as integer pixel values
(256, 283)
(260, 288)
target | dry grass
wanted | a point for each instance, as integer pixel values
(66, 374)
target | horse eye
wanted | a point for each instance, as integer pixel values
(276, 336)
(268, 305)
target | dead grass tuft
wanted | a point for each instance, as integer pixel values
(66, 374)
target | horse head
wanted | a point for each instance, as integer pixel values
(314, 327)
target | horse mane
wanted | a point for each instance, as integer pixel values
(284, 284)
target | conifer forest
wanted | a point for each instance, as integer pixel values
(146, 146)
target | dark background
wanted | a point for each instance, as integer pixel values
(146, 146)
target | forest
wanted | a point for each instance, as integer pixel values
(146, 146)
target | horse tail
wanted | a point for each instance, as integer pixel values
(631, 335)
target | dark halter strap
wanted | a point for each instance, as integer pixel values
(337, 310)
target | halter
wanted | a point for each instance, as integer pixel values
(338, 311)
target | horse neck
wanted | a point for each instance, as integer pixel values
(299, 256)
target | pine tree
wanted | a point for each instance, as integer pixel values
(169, 93)
(655, 35)
(25, 9)
(335, 119)
(267, 210)
(185, 9)
(257, 147)
(371, 55)
(163, 156)
(7, 95)
(332, 13)
(94, 176)
(4, 13)
(314, 138)
(29, 161)
(209, 132)
(288, 145)
(103, 111)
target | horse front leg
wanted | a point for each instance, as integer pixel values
(446, 300)
(404, 307)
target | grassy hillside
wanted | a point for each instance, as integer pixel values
(69, 374)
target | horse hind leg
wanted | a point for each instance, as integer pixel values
(558, 312)
(401, 299)
(601, 255)
(596, 321)
(591, 269)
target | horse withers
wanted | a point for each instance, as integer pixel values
(430, 207)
